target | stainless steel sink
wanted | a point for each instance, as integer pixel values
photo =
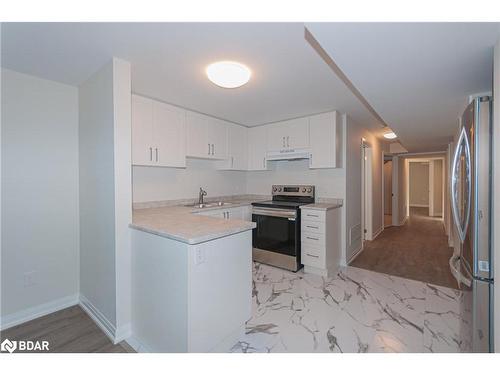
(207, 205)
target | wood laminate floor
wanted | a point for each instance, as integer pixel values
(68, 331)
(417, 250)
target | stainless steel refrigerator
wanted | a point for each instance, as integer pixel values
(471, 201)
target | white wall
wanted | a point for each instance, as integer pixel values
(106, 196)
(329, 183)
(419, 184)
(39, 192)
(496, 190)
(438, 181)
(388, 187)
(97, 193)
(156, 184)
(355, 132)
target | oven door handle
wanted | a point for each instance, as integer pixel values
(288, 214)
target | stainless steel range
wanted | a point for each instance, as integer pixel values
(276, 239)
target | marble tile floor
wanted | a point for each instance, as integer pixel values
(356, 311)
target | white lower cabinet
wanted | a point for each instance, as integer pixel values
(239, 213)
(320, 241)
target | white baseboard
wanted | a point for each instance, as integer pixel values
(104, 324)
(137, 345)
(377, 232)
(403, 222)
(31, 313)
(122, 333)
(355, 255)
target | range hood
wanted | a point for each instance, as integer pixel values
(303, 153)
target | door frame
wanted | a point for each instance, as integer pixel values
(366, 192)
(384, 187)
(431, 161)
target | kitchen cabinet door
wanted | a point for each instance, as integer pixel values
(276, 136)
(237, 148)
(288, 135)
(142, 131)
(257, 148)
(217, 138)
(169, 131)
(197, 128)
(326, 140)
(297, 133)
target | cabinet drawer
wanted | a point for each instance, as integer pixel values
(312, 226)
(312, 256)
(316, 239)
(313, 215)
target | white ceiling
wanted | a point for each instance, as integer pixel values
(168, 61)
(417, 76)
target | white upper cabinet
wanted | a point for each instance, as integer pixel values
(257, 148)
(288, 135)
(217, 137)
(197, 142)
(169, 132)
(206, 137)
(326, 140)
(158, 133)
(237, 148)
(142, 131)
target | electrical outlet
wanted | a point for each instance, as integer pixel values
(199, 255)
(29, 279)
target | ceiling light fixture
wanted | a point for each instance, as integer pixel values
(228, 74)
(390, 135)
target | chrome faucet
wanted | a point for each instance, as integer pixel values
(201, 195)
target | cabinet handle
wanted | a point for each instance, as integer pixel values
(151, 154)
(224, 214)
(232, 161)
(213, 148)
(156, 154)
(310, 160)
(264, 163)
(311, 215)
(228, 214)
(287, 141)
(209, 149)
(312, 256)
(311, 226)
(283, 141)
(312, 238)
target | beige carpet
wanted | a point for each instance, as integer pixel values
(417, 250)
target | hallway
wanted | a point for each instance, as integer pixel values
(418, 250)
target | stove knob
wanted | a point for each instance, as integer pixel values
(279, 189)
(275, 188)
(303, 190)
(309, 190)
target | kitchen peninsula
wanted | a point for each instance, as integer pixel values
(191, 276)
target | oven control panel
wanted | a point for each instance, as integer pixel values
(294, 190)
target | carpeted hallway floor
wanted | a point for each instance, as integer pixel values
(418, 250)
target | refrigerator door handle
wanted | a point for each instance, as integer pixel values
(463, 143)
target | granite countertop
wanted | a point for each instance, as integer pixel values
(181, 223)
(324, 204)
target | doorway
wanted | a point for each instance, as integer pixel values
(426, 187)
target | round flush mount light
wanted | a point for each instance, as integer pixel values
(390, 135)
(228, 74)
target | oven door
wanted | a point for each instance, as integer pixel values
(276, 230)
